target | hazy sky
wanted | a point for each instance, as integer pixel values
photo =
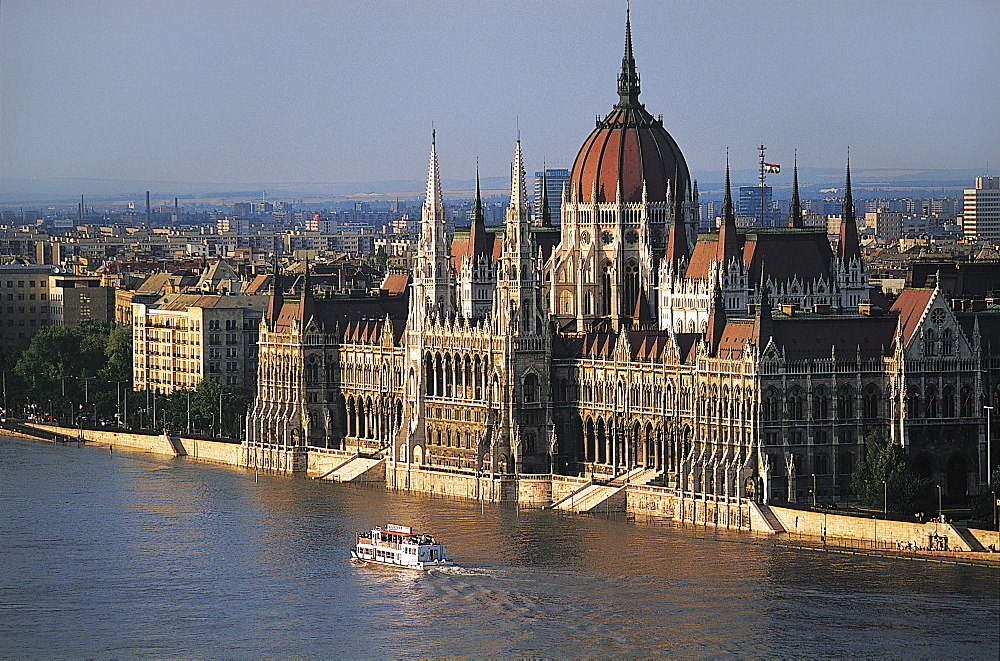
(240, 92)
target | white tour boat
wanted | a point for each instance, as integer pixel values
(399, 546)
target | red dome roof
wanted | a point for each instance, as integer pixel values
(628, 147)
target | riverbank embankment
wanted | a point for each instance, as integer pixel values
(806, 528)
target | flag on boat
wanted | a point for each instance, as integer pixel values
(771, 168)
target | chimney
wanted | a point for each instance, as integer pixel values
(148, 214)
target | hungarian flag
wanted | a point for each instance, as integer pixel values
(771, 168)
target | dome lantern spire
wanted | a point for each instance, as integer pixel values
(628, 81)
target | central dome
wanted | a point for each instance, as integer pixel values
(627, 148)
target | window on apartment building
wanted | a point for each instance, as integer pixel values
(31, 297)
(31, 283)
(230, 353)
(231, 380)
(20, 283)
(10, 297)
(231, 338)
(20, 297)
(231, 366)
(44, 297)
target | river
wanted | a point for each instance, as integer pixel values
(136, 555)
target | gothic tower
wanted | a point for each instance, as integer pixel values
(432, 292)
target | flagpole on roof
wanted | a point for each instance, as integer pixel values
(762, 148)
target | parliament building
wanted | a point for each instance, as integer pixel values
(744, 364)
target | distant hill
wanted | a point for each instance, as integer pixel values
(813, 183)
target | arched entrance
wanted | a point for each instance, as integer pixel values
(957, 476)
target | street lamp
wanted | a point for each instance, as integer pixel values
(940, 513)
(118, 412)
(885, 499)
(814, 489)
(989, 462)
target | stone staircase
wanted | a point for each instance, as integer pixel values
(356, 469)
(593, 498)
(968, 541)
(174, 444)
(638, 477)
(763, 519)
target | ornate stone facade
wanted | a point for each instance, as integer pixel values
(738, 365)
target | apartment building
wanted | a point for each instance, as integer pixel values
(185, 338)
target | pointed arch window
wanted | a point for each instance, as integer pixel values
(606, 290)
(930, 342)
(631, 287)
(795, 404)
(530, 388)
(845, 402)
(930, 402)
(965, 395)
(869, 401)
(821, 404)
(947, 342)
(948, 401)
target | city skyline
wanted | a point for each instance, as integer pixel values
(312, 93)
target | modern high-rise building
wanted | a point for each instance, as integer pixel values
(555, 180)
(749, 204)
(886, 224)
(981, 211)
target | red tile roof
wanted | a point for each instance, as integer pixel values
(911, 305)
(396, 283)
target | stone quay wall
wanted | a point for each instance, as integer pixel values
(214, 451)
(543, 490)
(886, 534)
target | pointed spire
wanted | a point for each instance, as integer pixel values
(518, 191)
(306, 297)
(677, 243)
(477, 232)
(433, 198)
(716, 320)
(544, 212)
(763, 323)
(628, 81)
(277, 299)
(795, 208)
(728, 245)
(850, 245)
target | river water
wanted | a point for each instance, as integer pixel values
(137, 555)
